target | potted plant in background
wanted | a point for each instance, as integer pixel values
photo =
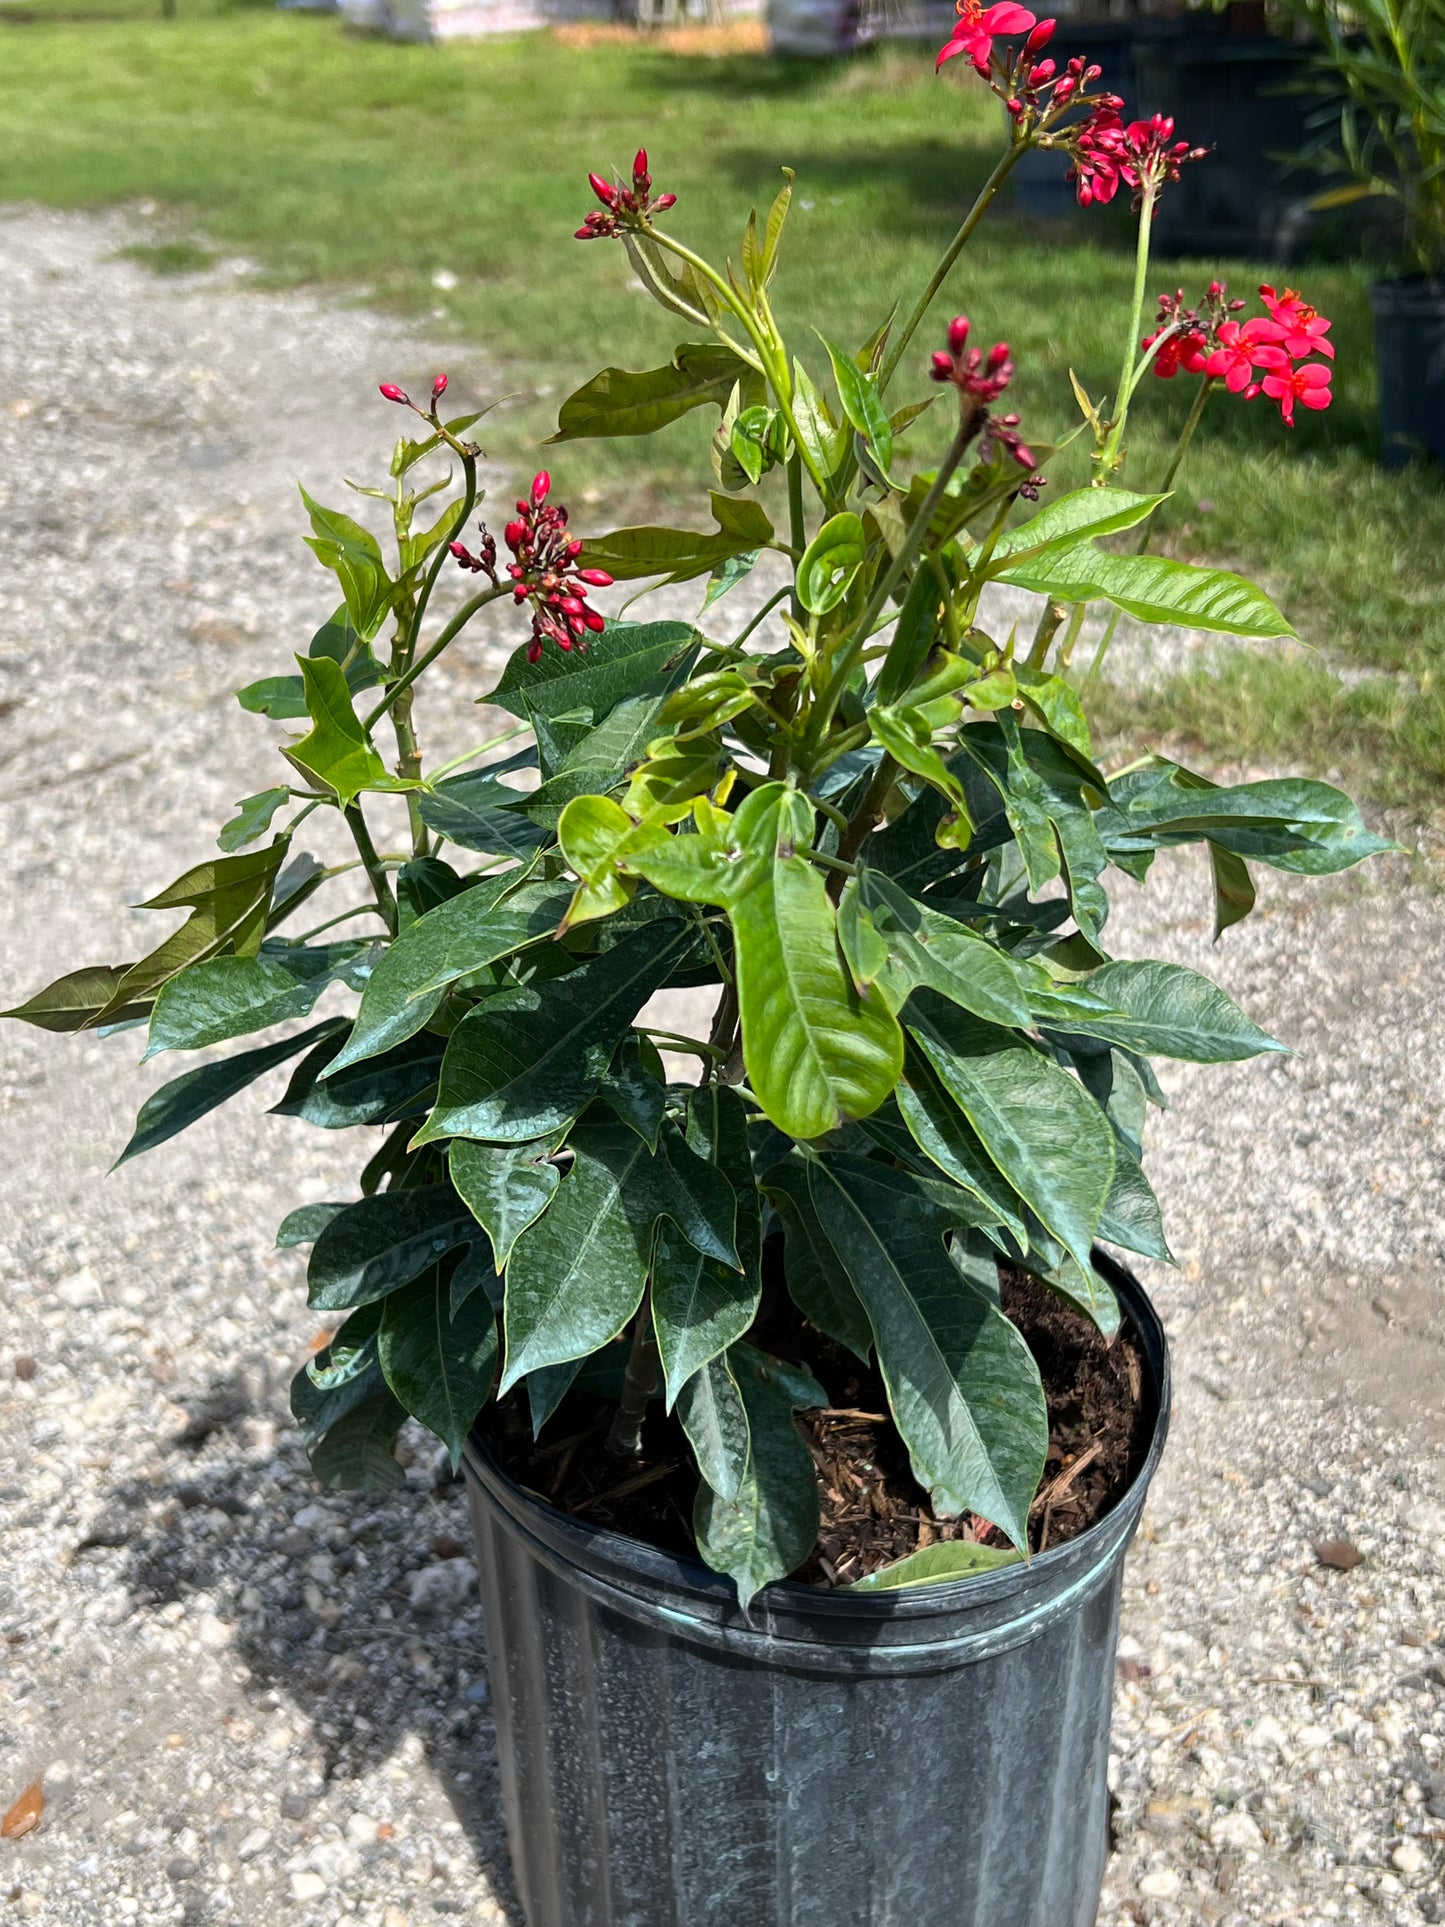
(806, 1421)
(1382, 68)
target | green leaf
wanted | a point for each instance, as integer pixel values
(439, 1363)
(225, 997)
(944, 1135)
(830, 562)
(178, 1104)
(620, 402)
(1234, 895)
(818, 1283)
(1289, 822)
(962, 1385)
(936, 1565)
(597, 836)
(1151, 588)
(1173, 1012)
(283, 698)
(336, 752)
(506, 1187)
(1132, 1218)
(635, 1088)
(252, 819)
(525, 1062)
(474, 812)
(773, 231)
(769, 1527)
(422, 884)
(626, 659)
(894, 944)
(378, 1244)
(907, 735)
(815, 1053)
(824, 442)
(352, 552)
(1038, 1125)
(383, 1090)
(356, 1455)
(862, 404)
(343, 1375)
(711, 1410)
(478, 927)
(699, 1307)
(305, 1224)
(913, 638)
(1072, 519)
(681, 554)
(75, 1001)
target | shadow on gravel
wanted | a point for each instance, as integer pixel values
(361, 1609)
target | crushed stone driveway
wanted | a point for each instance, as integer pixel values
(246, 1701)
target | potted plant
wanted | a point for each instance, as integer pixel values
(806, 1420)
(1382, 66)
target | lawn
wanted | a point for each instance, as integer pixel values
(373, 167)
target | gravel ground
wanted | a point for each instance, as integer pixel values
(248, 1703)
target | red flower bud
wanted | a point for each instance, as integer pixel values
(639, 165)
(595, 578)
(459, 550)
(595, 622)
(1063, 89)
(663, 203)
(439, 388)
(571, 605)
(604, 190)
(958, 333)
(513, 533)
(942, 365)
(541, 487)
(1042, 34)
(393, 393)
(997, 356)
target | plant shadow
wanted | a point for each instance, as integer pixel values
(360, 1609)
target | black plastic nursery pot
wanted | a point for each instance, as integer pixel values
(933, 1757)
(1410, 354)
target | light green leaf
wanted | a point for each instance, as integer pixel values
(352, 552)
(894, 944)
(680, 554)
(336, 752)
(962, 1385)
(1151, 588)
(936, 1565)
(830, 562)
(862, 404)
(1073, 519)
(1038, 1125)
(75, 1001)
(769, 1527)
(440, 1364)
(1173, 1012)
(824, 442)
(252, 819)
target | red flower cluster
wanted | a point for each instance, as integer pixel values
(1266, 355)
(1106, 152)
(981, 379)
(544, 571)
(626, 207)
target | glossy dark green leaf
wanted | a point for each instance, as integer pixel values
(1170, 1011)
(357, 1453)
(936, 1565)
(943, 1133)
(818, 1282)
(894, 944)
(711, 1410)
(913, 638)
(179, 1103)
(620, 402)
(475, 928)
(283, 698)
(473, 812)
(440, 1364)
(635, 1088)
(506, 1187)
(525, 1062)
(626, 659)
(547, 1388)
(422, 884)
(305, 1224)
(700, 1306)
(1289, 822)
(962, 1385)
(1131, 1218)
(1038, 1125)
(383, 1090)
(769, 1527)
(342, 1375)
(226, 997)
(379, 1244)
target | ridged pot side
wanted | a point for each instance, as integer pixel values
(929, 1758)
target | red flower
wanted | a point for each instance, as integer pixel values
(627, 207)
(977, 25)
(982, 379)
(1244, 348)
(1309, 385)
(393, 393)
(544, 570)
(1305, 328)
(1189, 351)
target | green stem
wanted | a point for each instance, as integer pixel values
(868, 811)
(797, 527)
(1050, 622)
(1097, 664)
(624, 1438)
(453, 629)
(373, 866)
(754, 621)
(1109, 456)
(693, 1045)
(951, 253)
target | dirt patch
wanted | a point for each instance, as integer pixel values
(872, 1510)
(736, 37)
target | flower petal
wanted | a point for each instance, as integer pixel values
(1005, 17)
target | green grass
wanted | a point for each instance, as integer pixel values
(370, 166)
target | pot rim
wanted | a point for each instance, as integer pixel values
(1077, 1565)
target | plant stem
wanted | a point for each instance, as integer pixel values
(1181, 447)
(458, 622)
(955, 247)
(1109, 456)
(798, 528)
(372, 864)
(865, 816)
(1050, 622)
(624, 1437)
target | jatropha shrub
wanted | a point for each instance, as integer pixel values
(883, 841)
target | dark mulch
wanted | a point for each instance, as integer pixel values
(873, 1510)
